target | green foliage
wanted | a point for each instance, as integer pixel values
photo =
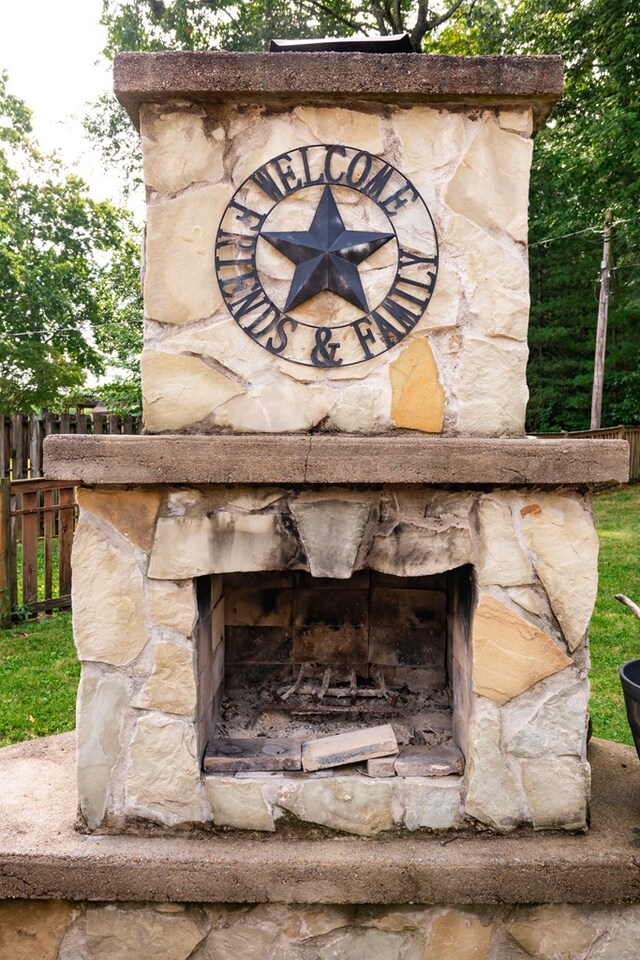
(190, 25)
(60, 270)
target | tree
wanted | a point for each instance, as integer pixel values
(585, 160)
(202, 24)
(60, 255)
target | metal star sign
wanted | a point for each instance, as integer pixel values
(326, 255)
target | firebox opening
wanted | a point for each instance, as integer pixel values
(290, 658)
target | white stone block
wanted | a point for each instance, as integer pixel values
(557, 793)
(102, 698)
(432, 803)
(238, 803)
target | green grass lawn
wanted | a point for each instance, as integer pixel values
(615, 632)
(38, 678)
(39, 671)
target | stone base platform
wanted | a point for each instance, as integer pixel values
(42, 856)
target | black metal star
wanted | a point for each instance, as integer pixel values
(326, 255)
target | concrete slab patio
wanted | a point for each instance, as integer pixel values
(43, 857)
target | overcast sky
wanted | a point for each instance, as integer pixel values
(51, 50)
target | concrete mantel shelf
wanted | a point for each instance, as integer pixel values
(494, 81)
(42, 857)
(330, 459)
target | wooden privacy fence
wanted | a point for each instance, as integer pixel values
(37, 520)
(630, 434)
(22, 436)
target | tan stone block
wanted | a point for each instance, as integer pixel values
(32, 929)
(557, 793)
(179, 281)
(341, 803)
(238, 803)
(176, 151)
(131, 512)
(418, 399)
(117, 933)
(108, 609)
(172, 605)
(102, 698)
(336, 125)
(431, 138)
(521, 121)
(553, 932)
(179, 390)
(509, 653)
(458, 936)
(492, 389)
(494, 277)
(561, 531)
(493, 795)
(171, 686)
(491, 184)
(163, 779)
(502, 560)
(278, 408)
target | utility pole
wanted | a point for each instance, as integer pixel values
(601, 334)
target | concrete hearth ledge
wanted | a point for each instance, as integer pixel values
(495, 81)
(42, 857)
(251, 458)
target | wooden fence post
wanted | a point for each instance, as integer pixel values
(5, 553)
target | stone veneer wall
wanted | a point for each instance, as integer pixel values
(61, 930)
(461, 371)
(521, 689)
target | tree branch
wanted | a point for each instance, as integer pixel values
(379, 14)
(397, 17)
(431, 24)
(421, 25)
(336, 16)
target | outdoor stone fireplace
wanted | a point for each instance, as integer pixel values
(334, 522)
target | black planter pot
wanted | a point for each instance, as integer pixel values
(630, 679)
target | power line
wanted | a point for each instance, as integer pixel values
(576, 233)
(50, 333)
(563, 236)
